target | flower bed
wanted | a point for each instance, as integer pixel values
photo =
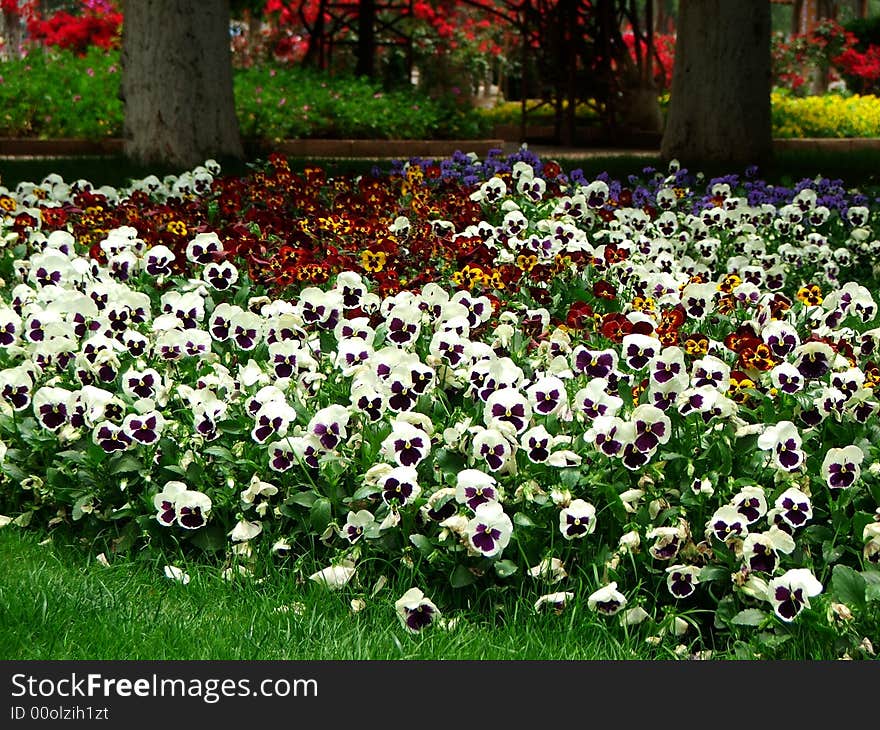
(654, 397)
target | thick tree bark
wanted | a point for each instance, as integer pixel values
(719, 107)
(177, 82)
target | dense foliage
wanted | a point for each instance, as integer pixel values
(61, 94)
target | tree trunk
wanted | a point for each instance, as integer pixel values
(177, 83)
(719, 107)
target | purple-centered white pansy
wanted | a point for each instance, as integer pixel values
(652, 427)
(329, 425)
(682, 580)
(787, 378)
(367, 398)
(10, 327)
(165, 502)
(204, 248)
(490, 375)
(320, 309)
(784, 441)
(221, 319)
(496, 448)
(698, 300)
(578, 519)
(220, 275)
(403, 324)
(639, 350)
(607, 600)
(842, 468)
(450, 348)
(668, 540)
(474, 487)
(508, 405)
(110, 437)
(538, 443)
(137, 384)
(246, 329)
(669, 367)
(727, 523)
(188, 307)
(351, 354)
(400, 486)
(416, 612)
(272, 421)
(158, 261)
(52, 407)
(712, 372)
(814, 359)
(357, 525)
(594, 400)
(288, 357)
(144, 428)
(548, 395)
(352, 287)
(608, 434)
(751, 503)
(790, 593)
(16, 385)
(406, 445)
(282, 455)
(848, 381)
(781, 337)
(193, 509)
(594, 363)
(760, 549)
(488, 533)
(794, 507)
(479, 309)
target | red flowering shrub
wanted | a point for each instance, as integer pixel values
(664, 56)
(98, 24)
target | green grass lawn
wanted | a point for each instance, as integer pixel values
(58, 602)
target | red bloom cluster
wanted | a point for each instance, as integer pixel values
(96, 24)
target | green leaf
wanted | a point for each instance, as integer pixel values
(772, 640)
(872, 581)
(423, 543)
(124, 463)
(461, 577)
(505, 568)
(303, 499)
(449, 462)
(831, 553)
(713, 572)
(319, 514)
(849, 586)
(221, 452)
(570, 477)
(17, 474)
(77, 512)
(211, 539)
(750, 617)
